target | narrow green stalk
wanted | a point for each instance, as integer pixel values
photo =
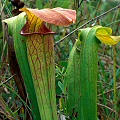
(114, 77)
(115, 22)
(106, 79)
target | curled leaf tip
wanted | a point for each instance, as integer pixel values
(104, 35)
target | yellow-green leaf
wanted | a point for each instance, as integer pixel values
(104, 35)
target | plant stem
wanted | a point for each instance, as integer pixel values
(114, 77)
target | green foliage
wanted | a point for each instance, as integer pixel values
(15, 24)
(85, 11)
(82, 77)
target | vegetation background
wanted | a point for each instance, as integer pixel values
(10, 101)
